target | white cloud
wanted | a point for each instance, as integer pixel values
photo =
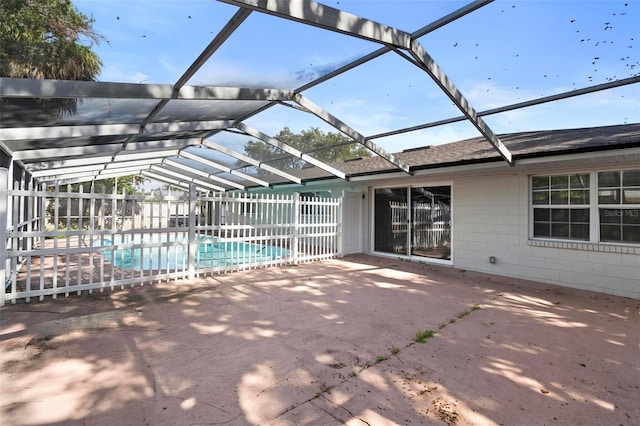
(230, 73)
(365, 117)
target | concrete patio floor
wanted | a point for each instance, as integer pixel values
(321, 344)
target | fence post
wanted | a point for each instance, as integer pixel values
(339, 221)
(295, 215)
(4, 195)
(10, 181)
(192, 231)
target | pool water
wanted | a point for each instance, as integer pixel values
(210, 253)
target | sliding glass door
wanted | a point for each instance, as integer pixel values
(431, 222)
(392, 219)
(413, 221)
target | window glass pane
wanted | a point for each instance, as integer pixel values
(610, 215)
(560, 230)
(559, 182)
(541, 215)
(631, 178)
(580, 231)
(609, 196)
(559, 197)
(608, 179)
(430, 212)
(391, 220)
(560, 215)
(540, 182)
(565, 192)
(579, 215)
(610, 233)
(631, 217)
(579, 196)
(631, 233)
(541, 230)
(561, 223)
(580, 181)
(631, 196)
(541, 197)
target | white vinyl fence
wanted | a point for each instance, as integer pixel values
(399, 225)
(72, 242)
(429, 225)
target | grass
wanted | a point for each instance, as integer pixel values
(324, 389)
(462, 314)
(381, 358)
(467, 312)
(422, 336)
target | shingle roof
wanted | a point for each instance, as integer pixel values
(478, 150)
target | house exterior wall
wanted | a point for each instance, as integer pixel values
(491, 214)
(491, 218)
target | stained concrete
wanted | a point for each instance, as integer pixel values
(324, 343)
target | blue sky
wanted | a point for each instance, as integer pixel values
(507, 52)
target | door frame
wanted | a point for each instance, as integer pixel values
(352, 219)
(408, 187)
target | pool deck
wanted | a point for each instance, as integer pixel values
(324, 343)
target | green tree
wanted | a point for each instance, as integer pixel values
(47, 39)
(327, 147)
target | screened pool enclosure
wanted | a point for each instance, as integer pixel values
(245, 70)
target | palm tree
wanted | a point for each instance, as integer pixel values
(46, 39)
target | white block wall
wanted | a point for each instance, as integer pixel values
(490, 218)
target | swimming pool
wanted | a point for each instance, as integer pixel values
(173, 254)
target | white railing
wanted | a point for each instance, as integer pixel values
(399, 226)
(429, 225)
(74, 242)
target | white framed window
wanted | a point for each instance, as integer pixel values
(592, 206)
(561, 206)
(619, 206)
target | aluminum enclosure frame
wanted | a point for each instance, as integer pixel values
(161, 143)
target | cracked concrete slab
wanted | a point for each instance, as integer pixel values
(324, 343)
